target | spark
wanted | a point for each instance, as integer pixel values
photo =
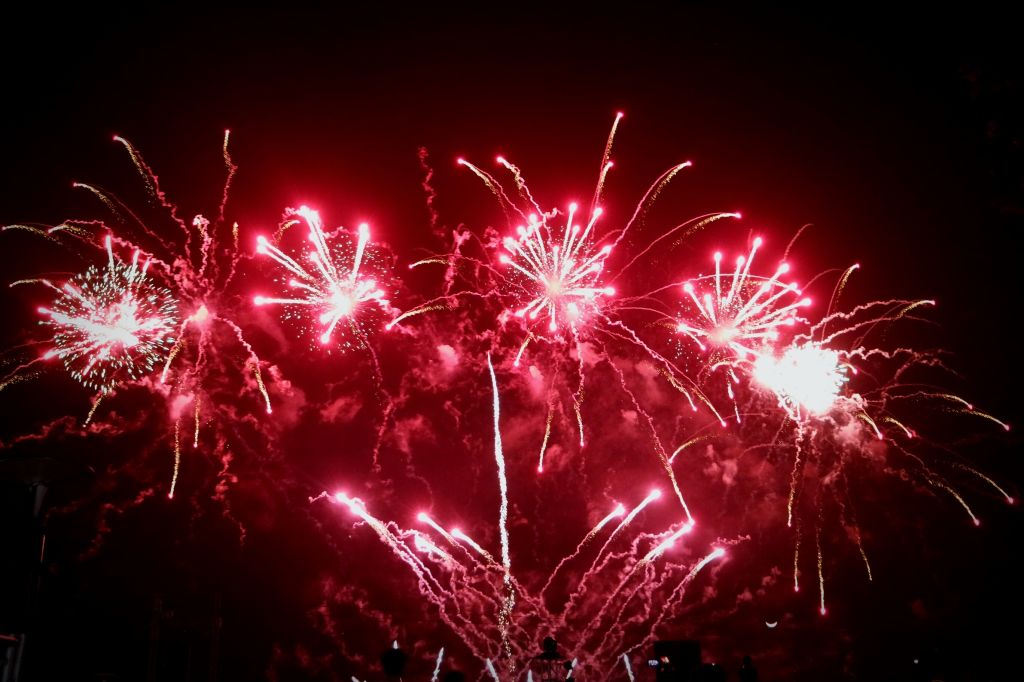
(506, 561)
(412, 313)
(821, 570)
(1006, 496)
(423, 544)
(195, 437)
(547, 435)
(459, 535)
(92, 408)
(615, 513)
(667, 543)
(685, 445)
(424, 518)
(499, 458)
(437, 666)
(177, 459)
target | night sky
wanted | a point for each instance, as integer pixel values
(898, 138)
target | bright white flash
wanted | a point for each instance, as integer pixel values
(806, 377)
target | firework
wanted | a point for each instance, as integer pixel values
(507, 612)
(814, 396)
(831, 414)
(739, 312)
(737, 319)
(497, 616)
(337, 287)
(552, 276)
(806, 378)
(557, 271)
(171, 306)
(111, 324)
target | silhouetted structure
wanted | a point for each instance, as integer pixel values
(393, 662)
(549, 665)
(748, 672)
(23, 486)
(676, 660)
(709, 672)
(453, 676)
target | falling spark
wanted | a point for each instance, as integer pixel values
(544, 442)
(437, 666)
(821, 569)
(177, 458)
(195, 437)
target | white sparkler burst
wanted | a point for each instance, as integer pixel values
(333, 286)
(557, 271)
(111, 324)
(806, 378)
(738, 311)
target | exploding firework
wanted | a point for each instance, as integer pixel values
(558, 272)
(171, 307)
(552, 268)
(737, 319)
(553, 277)
(817, 397)
(740, 312)
(807, 378)
(339, 289)
(111, 324)
(834, 397)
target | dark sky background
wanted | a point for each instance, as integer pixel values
(898, 137)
